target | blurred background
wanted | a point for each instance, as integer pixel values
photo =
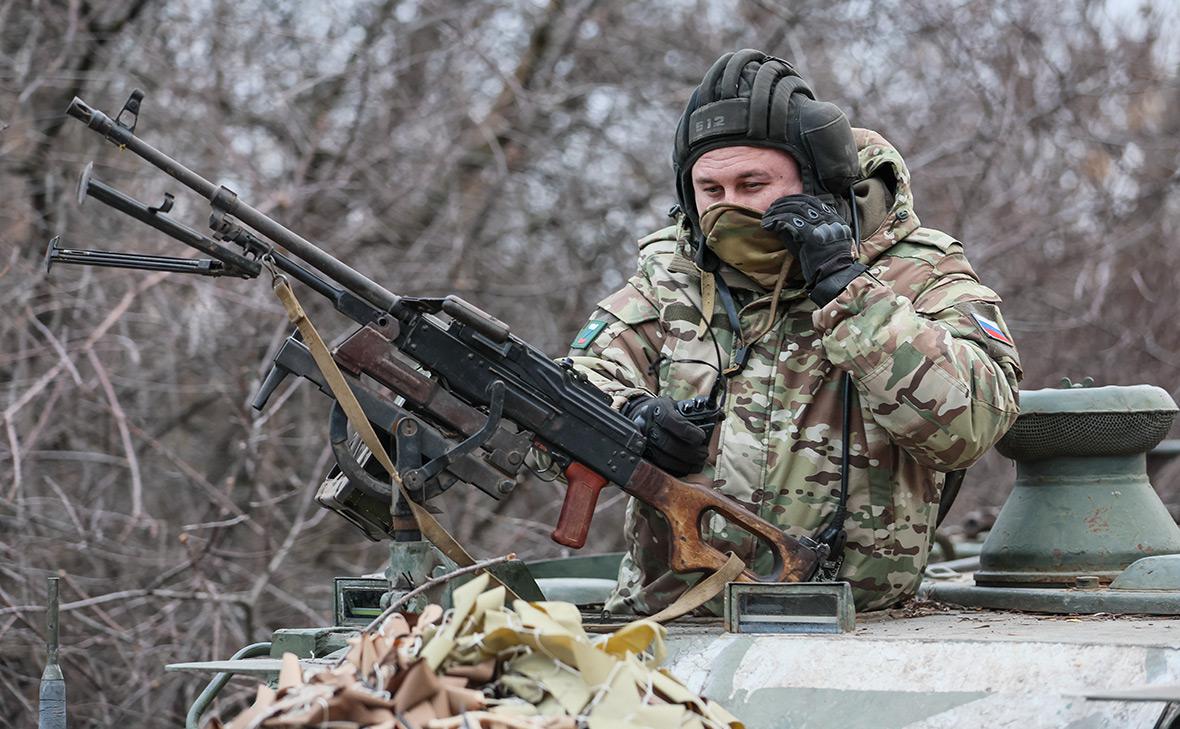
(511, 151)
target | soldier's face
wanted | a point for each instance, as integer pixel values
(750, 176)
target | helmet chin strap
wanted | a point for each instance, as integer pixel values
(703, 256)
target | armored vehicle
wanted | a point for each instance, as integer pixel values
(1066, 616)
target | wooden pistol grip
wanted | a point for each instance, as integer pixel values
(684, 505)
(581, 498)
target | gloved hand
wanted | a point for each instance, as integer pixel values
(815, 234)
(674, 443)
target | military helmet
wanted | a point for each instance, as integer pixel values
(750, 98)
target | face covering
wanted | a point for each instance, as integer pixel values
(735, 234)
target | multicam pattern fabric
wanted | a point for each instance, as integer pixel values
(933, 393)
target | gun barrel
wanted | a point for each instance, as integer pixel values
(313, 255)
(225, 199)
(121, 136)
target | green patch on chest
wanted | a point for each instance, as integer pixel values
(588, 334)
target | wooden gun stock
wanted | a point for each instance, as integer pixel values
(685, 505)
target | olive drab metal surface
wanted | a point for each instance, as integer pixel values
(1082, 512)
(51, 706)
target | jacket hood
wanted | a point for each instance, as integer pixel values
(884, 200)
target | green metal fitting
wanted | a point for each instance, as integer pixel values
(192, 719)
(1082, 504)
(309, 642)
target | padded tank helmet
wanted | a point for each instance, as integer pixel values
(750, 98)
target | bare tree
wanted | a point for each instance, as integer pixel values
(511, 151)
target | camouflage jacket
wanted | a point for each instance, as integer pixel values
(936, 380)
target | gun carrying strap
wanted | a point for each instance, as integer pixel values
(703, 591)
(427, 524)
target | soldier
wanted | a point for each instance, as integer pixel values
(808, 332)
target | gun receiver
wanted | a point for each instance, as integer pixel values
(482, 377)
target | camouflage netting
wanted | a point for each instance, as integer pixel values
(485, 665)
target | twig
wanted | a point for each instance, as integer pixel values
(289, 600)
(11, 685)
(99, 331)
(201, 596)
(14, 447)
(67, 504)
(103, 615)
(45, 418)
(4, 628)
(195, 476)
(124, 434)
(216, 524)
(58, 347)
(293, 531)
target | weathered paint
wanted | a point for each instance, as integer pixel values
(945, 670)
(1161, 572)
(821, 708)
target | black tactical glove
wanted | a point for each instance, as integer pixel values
(674, 443)
(815, 234)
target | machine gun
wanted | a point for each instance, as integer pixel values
(469, 398)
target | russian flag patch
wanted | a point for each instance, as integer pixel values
(993, 330)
